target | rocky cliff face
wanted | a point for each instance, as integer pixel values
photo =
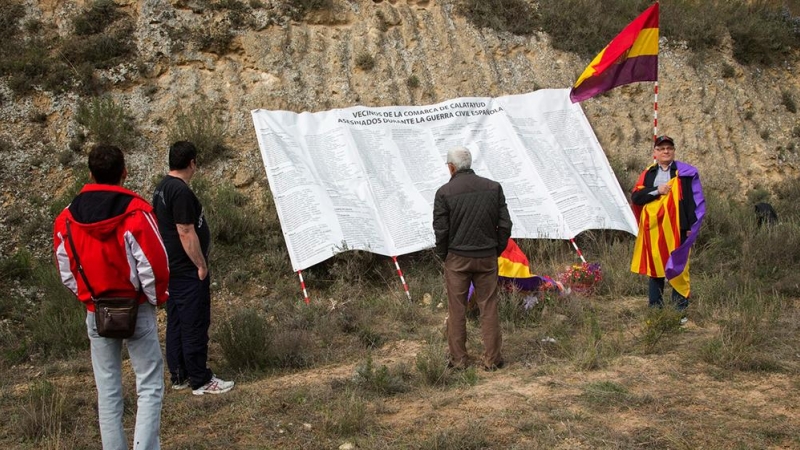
(727, 119)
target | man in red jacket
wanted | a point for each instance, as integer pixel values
(115, 235)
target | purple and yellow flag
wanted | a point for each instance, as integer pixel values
(630, 57)
(658, 251)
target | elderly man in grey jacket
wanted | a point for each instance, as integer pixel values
(472, 227)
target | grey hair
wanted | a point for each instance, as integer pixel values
(460, 157)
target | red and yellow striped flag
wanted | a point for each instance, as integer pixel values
(659, 235)
(630, 57)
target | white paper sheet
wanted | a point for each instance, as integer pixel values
(364, 178)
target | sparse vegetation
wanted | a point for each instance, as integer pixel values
(46, 413)
(299, 8)
(102, 39)
(365, 61)
(513, 16)
(763, 33)
(107, 122)
(202, 125)
(213, 39)
(413, 82)
(787, 100)
(728, 71)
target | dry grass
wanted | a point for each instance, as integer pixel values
(362, 364)
(602, 389)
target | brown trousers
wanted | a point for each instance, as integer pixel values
(459, 271)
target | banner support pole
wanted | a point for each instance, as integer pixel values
(402, 279)
(580, 253)
(303, 287)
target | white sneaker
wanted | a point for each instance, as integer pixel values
(181, 386)
(214, 386)
(684, 320)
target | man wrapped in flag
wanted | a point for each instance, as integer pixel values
(668, 201)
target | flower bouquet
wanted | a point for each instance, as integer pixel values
(583, 277)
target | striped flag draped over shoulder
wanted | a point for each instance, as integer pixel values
(630, 57)
(658, 251)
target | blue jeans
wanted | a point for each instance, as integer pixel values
(188, 320)
(148, 364)
(655, 295)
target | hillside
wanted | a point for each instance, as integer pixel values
(360, 365)
(717, 109)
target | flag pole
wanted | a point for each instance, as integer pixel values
(580, 253)
(655, 112)
(402, 279)
(303, 287)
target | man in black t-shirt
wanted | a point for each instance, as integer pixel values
(186, 237)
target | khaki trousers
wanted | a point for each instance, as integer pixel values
(459, 271)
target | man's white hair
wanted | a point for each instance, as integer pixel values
(460, 157)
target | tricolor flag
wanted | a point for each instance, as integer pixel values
(658, 251)
(513, 267)
(630, 57)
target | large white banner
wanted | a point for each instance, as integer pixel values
(364, 178)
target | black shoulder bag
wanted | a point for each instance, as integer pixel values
(115, 317)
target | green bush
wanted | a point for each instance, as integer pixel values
(698, 23)
(659, 324)
(107, 122)
(100, 15)
(27, 65)
(299, 8)
(519, 309)
(215, 39)
(365, 61)
(762, 33)
(772, 255)
(18, 266)
(232, 220)
(345, 415)
(747, 326)
(11, 11)
(46, 412)
(58, 325)
(787, 100)
(380, 380)
(15, 268)
(244, 339)
(786, 200)
(203, 126)
(514, 16)
(249, 341)
(585, 27)
(100, 51)
(431, 363)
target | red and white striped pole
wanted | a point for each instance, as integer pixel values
(580, 253)
(402, 279)
(655, 112)
(303, 286)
